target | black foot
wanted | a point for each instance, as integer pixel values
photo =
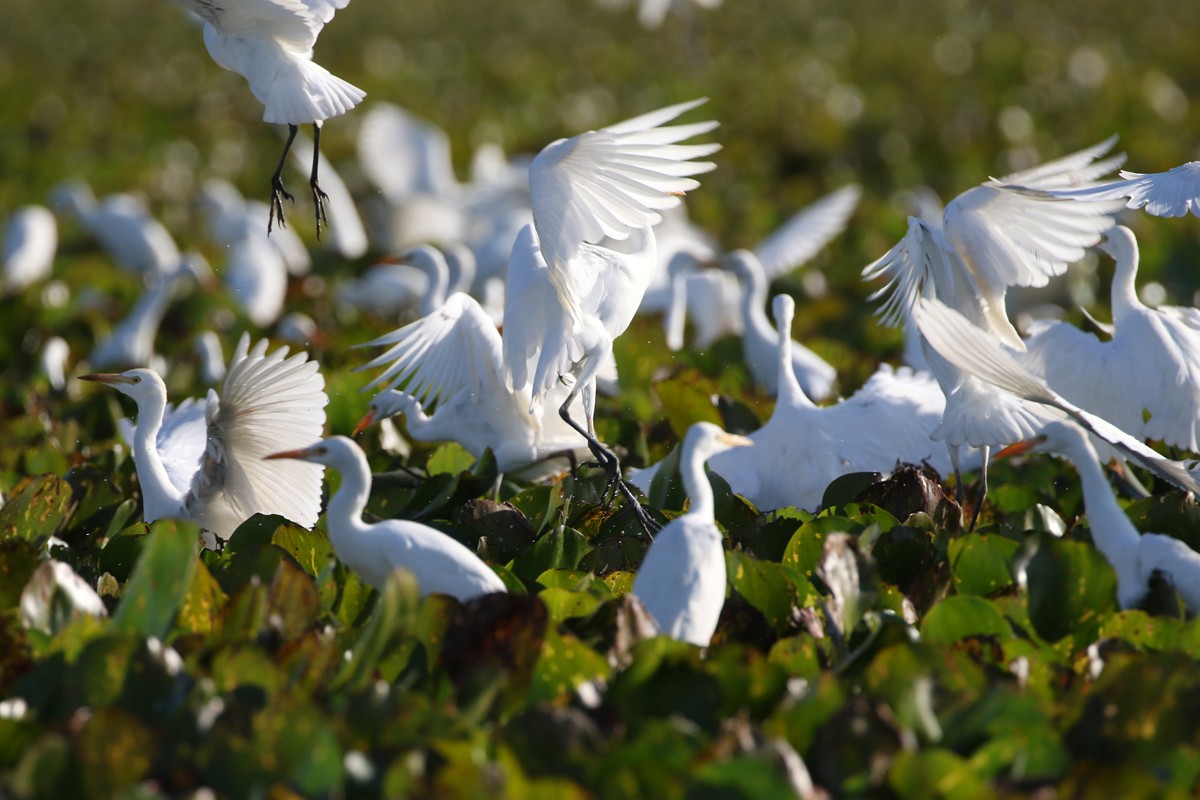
(319, 198)
(278, 193)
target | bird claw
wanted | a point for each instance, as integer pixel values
(319, 198)
(278, 193)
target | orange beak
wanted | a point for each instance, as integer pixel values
(1020, 447)
(367, 421)
(301, 454)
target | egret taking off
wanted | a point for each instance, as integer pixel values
(440, 564)
(203, 461)
(682, 579)
(270, 44)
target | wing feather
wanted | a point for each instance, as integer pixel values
(808, 230)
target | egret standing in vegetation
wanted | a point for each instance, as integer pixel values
(203, 461)
(270, 44)
(682, 579)
(440, 564)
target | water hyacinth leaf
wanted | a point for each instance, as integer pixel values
(1146, 632)
(936, 773)
(981, 564)
(538, 504)
(563, 603)
(46, 769)
(798, 656)
(620, 582)
(122, 551)
(1071, 590)
(18, 560)
(394, 611)
(293, 600)
(311, 549)
(120, 518)
(564, 664)
(666, 487)
(1173, 513)
(200, 612)
(848, 487)
(450, 458)
(36, 509)
(502, 530)
(750, 777)
(115, 750)
(961, 616)
(160, 581)
(774, 589)
(561, 548)
(258, 530)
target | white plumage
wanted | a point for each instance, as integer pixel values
(440, 564)
(135, 240)
(203, 461)
(30, 242)
(681, 581)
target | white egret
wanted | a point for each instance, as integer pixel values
(270, 44)
(803, 447)
(211, 357)
(257, 278)
(716, 304)
(577, 274)
(452, 361)
(53, 362)
(440, 564)
(1003, 233)
(30, 242)
(1146, 379)
(131, 342)
(681, 581)
(817, 377)
(652, 13)
(203, 461)
(1135, 557)
(976, 353)
(134, 239)
(422, 276)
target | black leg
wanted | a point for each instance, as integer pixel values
(608, 460)
(278, 193)
(319, 196)
(987, 453)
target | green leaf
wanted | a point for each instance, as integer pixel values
(393, 613)
(561, 548)
(202, 605)
(774, 589)
(564, 604)
(311, 549)
(36, 509)
(961, 616)
(666, 487)
(686, 400)
(1071, 590)
(563, 665)
(936, 773)
(981, 563)
(450, 458)
(18, 559)
(160, 581)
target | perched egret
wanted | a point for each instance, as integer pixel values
(577, 274)
(270, 44)
(1146, 379)
(440, 564)
(1134, 556)
(452, 361)
(134, 239)
(1002, 233)
(681, 581)
(803, 447)
(30, 241)
(203, 461)
(976, 353)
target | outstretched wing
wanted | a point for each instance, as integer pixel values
(609, 182)
(180, 441)
(269, 403)
(974, 351)
(456, 347)
(298, 22)
(914, 263)
(1174, 193)
(808, 230)
(1079, 169)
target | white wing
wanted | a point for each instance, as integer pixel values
(456, 347)
(910, 268)
(294, 21)
(1173, 193)
(973, 350)
(609, 182)
(1078, 169)
(269, 403)
(533, 317)
(404, 155)
(808, 230)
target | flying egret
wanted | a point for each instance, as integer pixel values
(1145, 379)
(30, 242)
(577, 275)
(452, 362)
(716, 303)
(203, 461)
(976, 353)
(440, 564)
(681, 581)
(134, 239)
(1002, 233)
(270, 44)
(803, 447)
(1135, 557)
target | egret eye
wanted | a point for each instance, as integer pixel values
(137, 378)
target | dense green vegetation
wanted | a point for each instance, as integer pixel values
(964, 665)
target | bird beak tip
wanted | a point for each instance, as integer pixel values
(364, 423)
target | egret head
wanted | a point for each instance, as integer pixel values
(140, 384)
(1119, 242)
(706, 440)
(335, 452)
(1060, 437)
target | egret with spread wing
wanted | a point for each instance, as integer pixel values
(203, 461)
(440, 564)
(270, 44)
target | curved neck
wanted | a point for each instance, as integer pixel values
(789, 392)
(1113, 533)
(754, 295)
(160, 498)
(460, 269)
(1124, 295)
(695, 483)
(433, 263)
(343, 518)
